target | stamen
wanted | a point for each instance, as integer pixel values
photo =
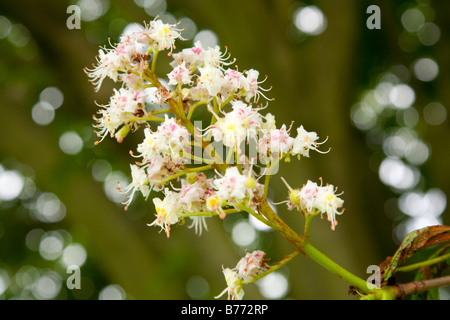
(287, 184)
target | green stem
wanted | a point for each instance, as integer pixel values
(155, 55)
(215, 109)
(423, 263)
(181, 173)
(266, 184)
(334, 268)
(149, 118)
(308, 219)
(223, 104)
(272, 268)
(195, 158)
(256, 215)
(194, 106)
(160, 111)
(229, 155)
(238, 162)
(290, 235)
(207, 213)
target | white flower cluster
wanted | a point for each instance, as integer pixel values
(170, 139)
(314, 199)
(162, 155)
(201, 194)
(128, 60)
(212, 78)
(279, 142)
(246, 269)
(241, 123)
(125, 105)
(203, 71)
(199, 76)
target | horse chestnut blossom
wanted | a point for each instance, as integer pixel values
(234, 286)
(139, 183)
(180, 75)
(304, 142)
(184, 162)
(167, 211)
(125, 105)
(240, 124)
(163, 34)
(170, 139)
(327, 201)
(235, 188)
(248, 268)
(313, 199)
(252, 264)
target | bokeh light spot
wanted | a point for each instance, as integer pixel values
(92, 9)
(273, 286)
(395, 173)
(243, 233)
(114, 180)
(53, 96)
(402, 96)
(47, 286)
(43, 113)
(11, 184)
(189, 28)
(5, 27)
(429, 34)
(33, 238)
(4, 281)
(100, 169)
(51, 245)
(154, 7)
(310, 20)
(112, 292)
(412, 20)
(426, 69)
(74, 254)
(197, 287)
(434, 113)
(70, 143)
(49, 208)
(207, 38)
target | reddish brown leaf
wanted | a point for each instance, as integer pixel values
(415, 241)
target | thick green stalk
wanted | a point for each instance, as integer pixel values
(334, 268)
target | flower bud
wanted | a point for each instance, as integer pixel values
(191, 177)
(122, 133)
(294, 196)
(250, 183)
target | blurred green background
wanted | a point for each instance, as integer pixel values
(381, 95)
